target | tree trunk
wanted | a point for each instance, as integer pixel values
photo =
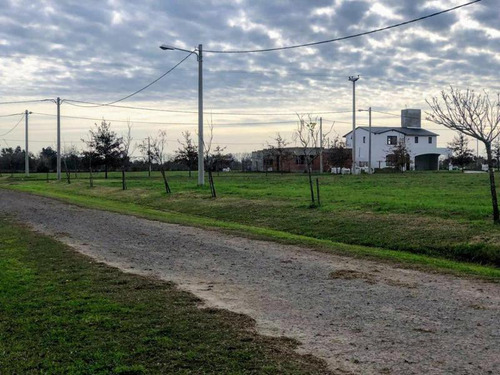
(311, 186)
(211, 182)
(91, 177)
(124, 182)
(165, 181)
(68, 174)
(106, 171)
(491, 171)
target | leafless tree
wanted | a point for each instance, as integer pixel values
(67, 153)
(279, 150)
(308, 135)
(89, 154)
(473, 114)
(212, 157)
(156, 151)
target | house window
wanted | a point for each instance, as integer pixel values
(430, 139)
(416, 139)
(392, 140)
(364, 139)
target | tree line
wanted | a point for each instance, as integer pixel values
(105, 151)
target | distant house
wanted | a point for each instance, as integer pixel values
(290, 159)
(421, 144)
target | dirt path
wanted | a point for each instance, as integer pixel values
(361, 316)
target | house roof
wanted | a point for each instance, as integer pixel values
(405, 131)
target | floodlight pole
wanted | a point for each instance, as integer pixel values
(201, 143)
(353, 80)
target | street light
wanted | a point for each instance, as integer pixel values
(369, 137)
(199, 55)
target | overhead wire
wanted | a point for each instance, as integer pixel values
(12, 114)
(15, 126)
(169, 123)
(345, 37)
(145, 87)
(27, 101)
(72, 102)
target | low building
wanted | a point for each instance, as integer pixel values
(288, 159)
(420, 143)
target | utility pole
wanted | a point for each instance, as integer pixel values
(321, 145)
(26, 150)
(201, 159)
(201, 144)
(58, 102)
(353, 80)
(370, 140)
(149, 156)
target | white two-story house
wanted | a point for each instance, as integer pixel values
(420, 143)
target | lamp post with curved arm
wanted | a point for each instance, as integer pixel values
(199, 55)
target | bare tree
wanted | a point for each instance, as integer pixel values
(279, 150)
(125, 153)
(474, 115)
(212, 157)
(308, 135)
(69, 154)
(90, 154)
(156, 151)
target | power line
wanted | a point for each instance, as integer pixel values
(15, 126)
(348, 36)
(165, 123)
(12, 114)
(27, 101)
(145, 87)
(72, 102)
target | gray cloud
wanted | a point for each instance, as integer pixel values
(102, 50)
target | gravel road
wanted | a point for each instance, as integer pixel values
(361, 316)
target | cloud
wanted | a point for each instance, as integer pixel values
(103, 50)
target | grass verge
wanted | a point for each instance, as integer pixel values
(62, 313)
(402, 258)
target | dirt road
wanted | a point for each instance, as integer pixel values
(361, 316)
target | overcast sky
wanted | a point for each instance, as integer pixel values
(100, 51)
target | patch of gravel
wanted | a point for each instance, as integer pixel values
(361, 316)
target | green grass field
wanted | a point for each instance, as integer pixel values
(62, 313)
(401, 216)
